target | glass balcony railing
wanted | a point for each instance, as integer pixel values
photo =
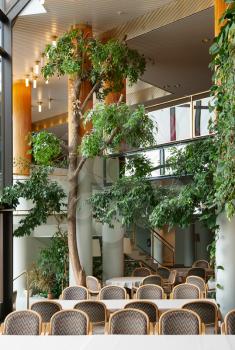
(179, 122)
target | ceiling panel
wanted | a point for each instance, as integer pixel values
(175, 52)
(178, 56)
(33, 32)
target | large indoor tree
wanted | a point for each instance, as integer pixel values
(106, 65)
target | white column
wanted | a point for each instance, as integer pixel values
(84, 218)
(188, 247)
(157, 250)
(225, 256)
(20, 248)
(113, 252)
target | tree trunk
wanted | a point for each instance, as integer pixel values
(78, 272)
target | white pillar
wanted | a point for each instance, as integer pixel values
(188, 247)
(84, 218)
(113, 253)
(157, 250)
(20, 248)
(225, 256)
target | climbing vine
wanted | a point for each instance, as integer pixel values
(223, 90)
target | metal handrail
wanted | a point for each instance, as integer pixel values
(148, 254)
(156, 234)
(27, 285)
(179, 99)
(140, 262)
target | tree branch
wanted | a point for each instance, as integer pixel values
(79, 167)
(89, 96)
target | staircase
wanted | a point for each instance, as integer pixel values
(161, 252)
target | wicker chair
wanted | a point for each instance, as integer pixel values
(228, 326)
(75, 293)
(46, 309)
(199, 282)
(201, 263)
(208, 313)
(164, 272)
(26, 322)
(185, 291)
(153, 279)
(197, 271)
(146, 306)
(179, 322)
(170, 282)
(112, 292)
(93, 285)
(97, 313)
(150, 291)
(129, 321)
(69, 322)
(141, 272)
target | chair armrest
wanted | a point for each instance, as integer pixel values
(1, 328)
(106, 328)
(157, 328)
(151, 328)
(203, 329)
(223, 329)
(90, 330)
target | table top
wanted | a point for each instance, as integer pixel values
(127, 282)
(117, 342)
(114, 305)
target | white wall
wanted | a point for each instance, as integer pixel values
(225, 256)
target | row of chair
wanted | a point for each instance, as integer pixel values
(146, 291)
(136, 318)
(164, 272)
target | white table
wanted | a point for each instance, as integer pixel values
(117, 342)
(114, 305)
(126, 282)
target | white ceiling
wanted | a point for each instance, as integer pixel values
(180, 57)
(33, 32)
(176, 49)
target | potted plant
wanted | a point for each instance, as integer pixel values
(42, 282)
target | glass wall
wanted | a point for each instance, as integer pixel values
(174, 123)
(179, 123)
(202, 115)
(182, 121)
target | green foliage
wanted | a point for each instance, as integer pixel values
(137, 165)
(50, 272)
(47, 198)
(133, 126)
(195, 197)
(223, 51)
(110, 62)
(131, 198)
(46, 148)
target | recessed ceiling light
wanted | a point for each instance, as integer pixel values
(39, 106)
(206, 40)
(121, 13)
